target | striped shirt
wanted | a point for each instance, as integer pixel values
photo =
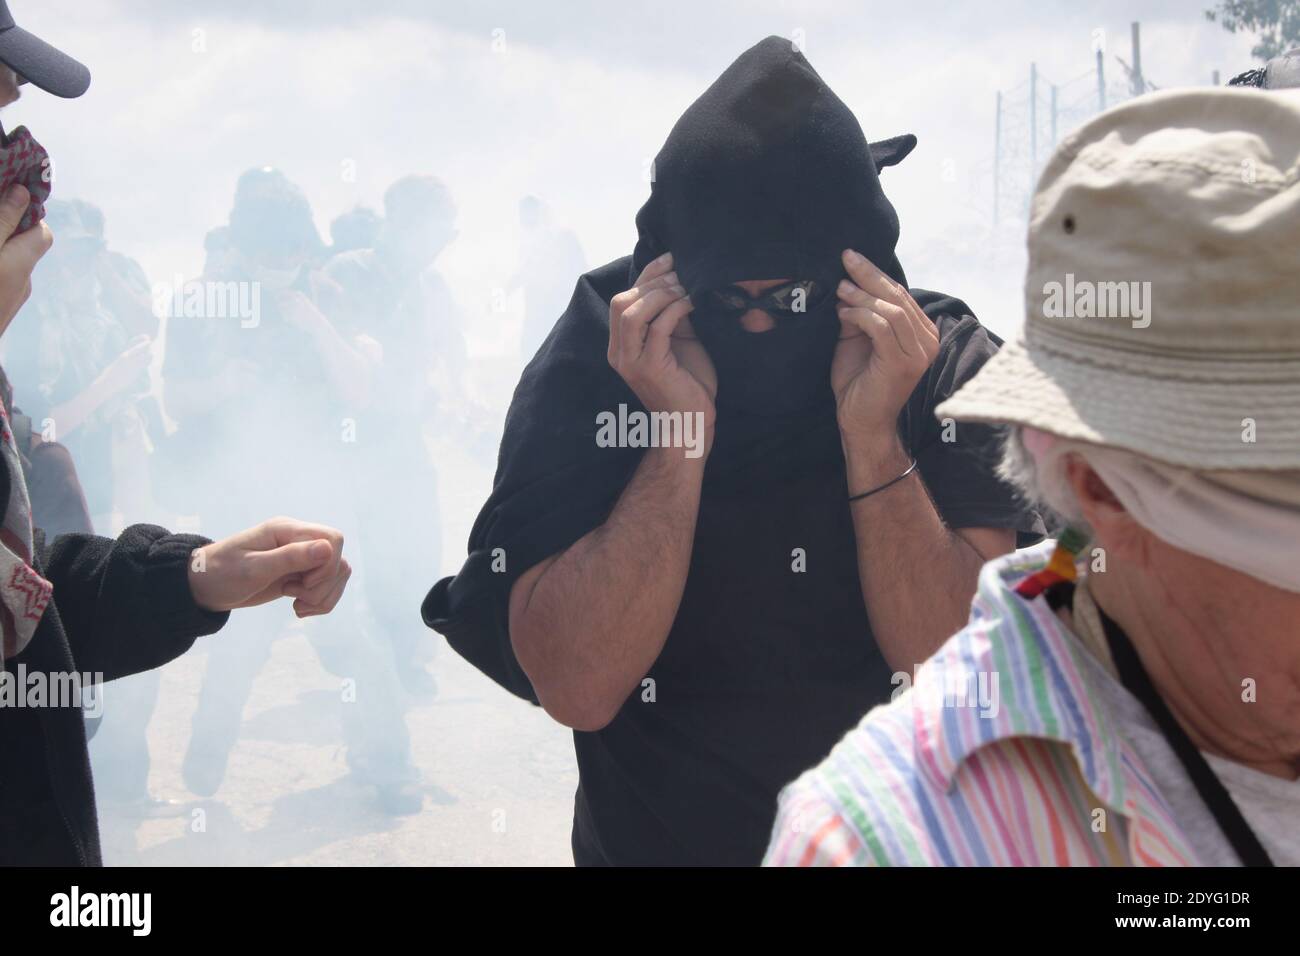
(1003, 753)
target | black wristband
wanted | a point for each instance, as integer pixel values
(892, 481)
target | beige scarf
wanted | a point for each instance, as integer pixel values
(1245, 520)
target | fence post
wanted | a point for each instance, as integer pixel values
(1101, 82)
(1033, 123)
(997, 156)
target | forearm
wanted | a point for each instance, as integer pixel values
(917, 575)
(592, 624)
(126, 603)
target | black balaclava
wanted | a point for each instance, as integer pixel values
(768, 176)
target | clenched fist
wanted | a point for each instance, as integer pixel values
(282, 557)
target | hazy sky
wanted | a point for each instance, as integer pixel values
(568, 101)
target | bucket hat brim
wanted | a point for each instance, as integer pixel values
(1232, 422)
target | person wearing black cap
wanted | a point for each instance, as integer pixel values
(711, 619)
(79, 360)
(86, 608)
(35, 61)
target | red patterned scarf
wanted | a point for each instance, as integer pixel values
(24, 161)
(24, 594)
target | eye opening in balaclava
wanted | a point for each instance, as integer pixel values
(768, 174)
(786, 301)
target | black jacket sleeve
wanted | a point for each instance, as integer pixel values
(959, 462)
(125, 603)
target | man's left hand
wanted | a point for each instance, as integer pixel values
(886, 344)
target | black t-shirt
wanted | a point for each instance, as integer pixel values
(765, 667)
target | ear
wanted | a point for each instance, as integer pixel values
(891, 152)
(1113, 526)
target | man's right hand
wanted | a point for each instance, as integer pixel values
(588, 623)
(669, 373)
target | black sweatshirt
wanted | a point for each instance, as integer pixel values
(119, 607)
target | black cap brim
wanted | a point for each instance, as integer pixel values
(37, 62)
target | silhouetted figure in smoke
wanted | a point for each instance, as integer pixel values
(549, 256)
(403, 308)
(80, 359)
(220, 256)
(264, 394)
(357, 228)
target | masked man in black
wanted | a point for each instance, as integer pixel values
(710, 619)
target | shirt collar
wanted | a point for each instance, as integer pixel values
(1019, 655)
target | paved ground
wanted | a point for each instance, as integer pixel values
(499, 775)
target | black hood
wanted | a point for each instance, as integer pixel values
(768, 175)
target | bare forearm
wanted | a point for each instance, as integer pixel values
(591, 625)
(917, 575)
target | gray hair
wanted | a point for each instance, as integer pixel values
(1045, 488)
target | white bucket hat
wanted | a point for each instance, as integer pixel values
(1283, 72)
(1163, 290)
